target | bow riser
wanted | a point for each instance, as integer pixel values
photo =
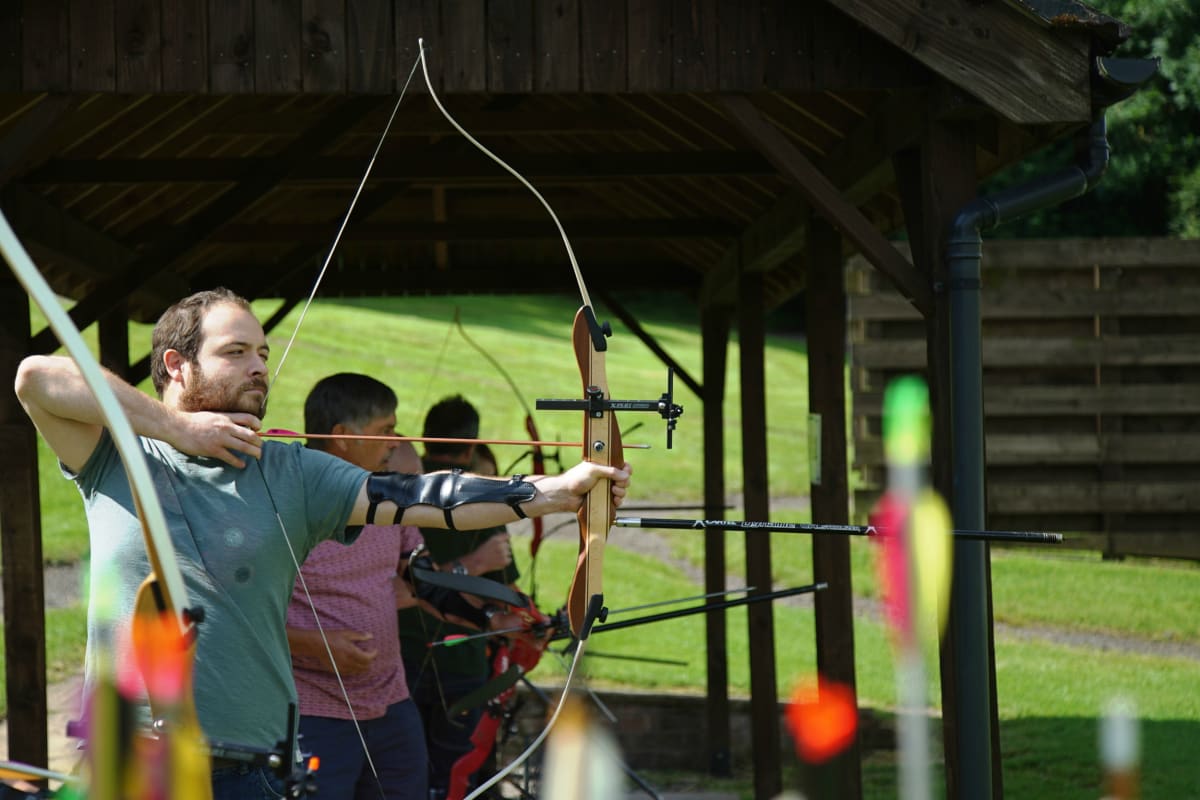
(602, 445)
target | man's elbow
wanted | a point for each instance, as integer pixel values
(31, 373)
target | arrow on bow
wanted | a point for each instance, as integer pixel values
(282, 433)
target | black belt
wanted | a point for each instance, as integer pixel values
(219, 762)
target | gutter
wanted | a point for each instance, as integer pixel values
(971, 633)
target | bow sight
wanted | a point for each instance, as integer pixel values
(595, 404)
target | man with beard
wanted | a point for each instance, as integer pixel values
(242, 512)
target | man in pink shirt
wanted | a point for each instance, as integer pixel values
(363, 726)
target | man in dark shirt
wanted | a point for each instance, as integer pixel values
(440, 676)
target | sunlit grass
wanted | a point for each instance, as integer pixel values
(1050, 696)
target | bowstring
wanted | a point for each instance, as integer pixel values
(324, 638)
(279, 369)
(541, 737)
(345, 221)
(583, 292)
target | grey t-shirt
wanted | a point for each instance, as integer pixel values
(235, 564)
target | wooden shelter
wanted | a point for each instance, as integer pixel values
(735, 151)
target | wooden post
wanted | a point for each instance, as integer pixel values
(714, 327)
(825, 326)
(21, 541)
(113, 329)
(936, 180)
(764, 705)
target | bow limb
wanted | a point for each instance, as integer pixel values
(536, 452)
(163, 564)
(594, 503)
(154, 524)
(597, 511)
(163, 594)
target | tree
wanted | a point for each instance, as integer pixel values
(1152, 187)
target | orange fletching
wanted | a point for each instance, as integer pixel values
(822, 718)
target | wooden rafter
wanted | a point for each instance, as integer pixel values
(826, 199)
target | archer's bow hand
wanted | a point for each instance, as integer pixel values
(224, 436)
(566, 491)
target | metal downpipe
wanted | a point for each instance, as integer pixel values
(964, 255)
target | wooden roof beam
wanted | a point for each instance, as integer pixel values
(861, 167)
(827, 200)
(158, 258)
(1028, 73)
(494, 229)
(30, 140)
(54, 234)
(600, 117)
(412, 166)
(375, 280)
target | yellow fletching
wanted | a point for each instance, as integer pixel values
(932, 553)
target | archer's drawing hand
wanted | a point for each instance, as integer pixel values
(219, 435)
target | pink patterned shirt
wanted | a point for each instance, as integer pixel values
(351, 587)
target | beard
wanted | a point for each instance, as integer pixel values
(203, 394)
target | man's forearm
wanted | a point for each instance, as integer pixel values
(467, 514)
(53, 386)
(429, 505)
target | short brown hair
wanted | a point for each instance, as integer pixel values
(179, 328)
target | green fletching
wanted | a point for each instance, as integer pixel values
(906, 421)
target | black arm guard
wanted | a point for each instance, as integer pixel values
(444, 490)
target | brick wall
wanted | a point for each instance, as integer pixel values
(667, 731)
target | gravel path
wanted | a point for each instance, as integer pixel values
(657, 545)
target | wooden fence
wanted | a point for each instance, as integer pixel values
(1091, 358)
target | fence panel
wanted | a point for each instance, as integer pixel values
(1091, 369)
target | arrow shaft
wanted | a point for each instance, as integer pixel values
(1028, 537)
(278, 434)
(673, 601)
(687, 612)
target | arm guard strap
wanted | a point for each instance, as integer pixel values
(445, 490)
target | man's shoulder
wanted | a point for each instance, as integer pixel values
(295, 454)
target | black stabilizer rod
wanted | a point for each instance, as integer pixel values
(1023, 537)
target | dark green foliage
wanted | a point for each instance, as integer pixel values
(1152, 187)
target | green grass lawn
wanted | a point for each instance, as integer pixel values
(1050, 695)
